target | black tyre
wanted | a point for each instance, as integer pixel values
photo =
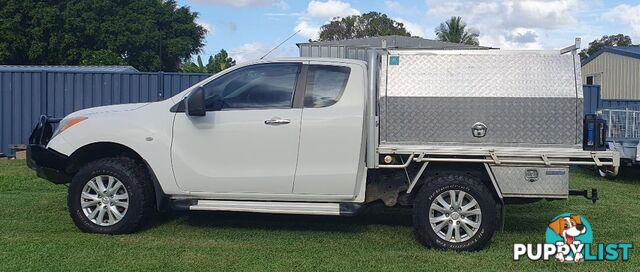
(111, 196)
(455, 212)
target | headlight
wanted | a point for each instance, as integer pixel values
(67, 123)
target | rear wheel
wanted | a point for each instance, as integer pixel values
(112, 196)
(455, 212)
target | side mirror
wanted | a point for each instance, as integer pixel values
(194, 103)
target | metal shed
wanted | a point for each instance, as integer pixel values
(357, 48)
(26, 92)
(616, 70)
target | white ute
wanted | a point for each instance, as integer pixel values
(452, 134)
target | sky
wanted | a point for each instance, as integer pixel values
(248, 29)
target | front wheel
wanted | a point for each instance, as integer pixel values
(455, 212)
(111, 196)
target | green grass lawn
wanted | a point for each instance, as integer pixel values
(36, 233)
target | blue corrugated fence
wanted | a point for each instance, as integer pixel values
(25, 95)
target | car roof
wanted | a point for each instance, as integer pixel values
(297, 59)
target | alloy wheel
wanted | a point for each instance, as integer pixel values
(104, 200)
(455, 216)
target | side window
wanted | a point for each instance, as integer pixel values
(325, 85)
(255, 87)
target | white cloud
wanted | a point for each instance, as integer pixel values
(242, 3)
(516, 23)
(209, 27)
(486, 7)
(413, 28)
(318, 13)
(393, 5)
(307, 30)
(547, 14)
(505, 41)
(255, 50)
(284, 14)
(249, 51)
(627, 14)
(400, 8)
(522, 35)
(330, 9)
(281, 5)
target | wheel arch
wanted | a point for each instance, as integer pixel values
(392, 185)
(482, 171)
(99, 150)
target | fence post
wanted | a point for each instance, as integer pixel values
(160, 86)
(634, 133)
(609, 122)
(626, 121)
(598, 97)
(44, 96)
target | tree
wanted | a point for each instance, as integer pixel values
(191, 67)
(215, 64)
(150, 35)
(370, 24)
(102, 57)
(455, 30)
(220, 62)
(612, 40)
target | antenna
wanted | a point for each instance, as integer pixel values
(280, 44)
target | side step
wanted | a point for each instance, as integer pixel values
(343, 209)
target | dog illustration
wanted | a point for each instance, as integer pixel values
(568, 228)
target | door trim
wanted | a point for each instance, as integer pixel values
(301, 88)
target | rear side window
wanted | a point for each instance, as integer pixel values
(325, 85)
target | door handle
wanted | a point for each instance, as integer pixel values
(276, 121)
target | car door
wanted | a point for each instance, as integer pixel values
(248, 140)
(332, 147)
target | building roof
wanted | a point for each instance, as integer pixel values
(65, 68)
(395, 41)
(627, 51)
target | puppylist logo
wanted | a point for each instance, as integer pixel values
(569, 238)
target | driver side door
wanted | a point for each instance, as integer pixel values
(248, 140)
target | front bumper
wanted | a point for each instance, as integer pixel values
(48, 163)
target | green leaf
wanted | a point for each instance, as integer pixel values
(370, 24)
(150, 35)
(454, 30)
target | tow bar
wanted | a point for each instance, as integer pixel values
(585, 193)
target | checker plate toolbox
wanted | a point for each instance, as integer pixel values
(517, 112)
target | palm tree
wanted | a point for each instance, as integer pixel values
(454, 30)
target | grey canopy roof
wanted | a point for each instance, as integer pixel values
(395, 41)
